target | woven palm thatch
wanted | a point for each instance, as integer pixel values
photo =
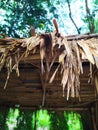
(68, 51)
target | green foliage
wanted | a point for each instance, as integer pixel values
(3, 116)
(96, 25)
(43, 119)
(74, 121)
(91, 17)
(24, 121)
(20, 15)
(15, 119)
(11, 120)
(58, 121)
(96, 2)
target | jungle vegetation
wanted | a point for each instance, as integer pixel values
(16, 18)
(16, 119)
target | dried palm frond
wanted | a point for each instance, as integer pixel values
(9, 69)
(53, 47)
(42, 53)
(53, 76)
(87, 51)
(96, 83)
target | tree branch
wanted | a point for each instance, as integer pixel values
(89, 18)
(70, 15)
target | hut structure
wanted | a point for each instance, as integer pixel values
(50, 71)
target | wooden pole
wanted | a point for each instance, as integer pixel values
(93, 119)
(96, 113)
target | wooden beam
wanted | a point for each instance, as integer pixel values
(55, 109)
(79, 37)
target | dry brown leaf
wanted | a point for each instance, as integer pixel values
(2, 60)
(42, 53)
(96, 61)
(73, 90)
(72, 80)
(67, 46)
(52, 62)
(78, 57)
(86, 50)
(77, 85)
(15, 67)
(69, 84)
(62, 56)
(8, 76)
(42, 49)
(9, 69)
(96, 83)
(54, 74)
(2, 50)
(65, 78)
(31, 42)
(94, 51)
(68, 89)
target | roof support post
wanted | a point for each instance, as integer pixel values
(93, 119)
(96, 113)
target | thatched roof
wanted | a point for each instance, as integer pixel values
(64, 64)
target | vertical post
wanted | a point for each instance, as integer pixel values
(96, 114)
(93, 119)
(90, 116)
